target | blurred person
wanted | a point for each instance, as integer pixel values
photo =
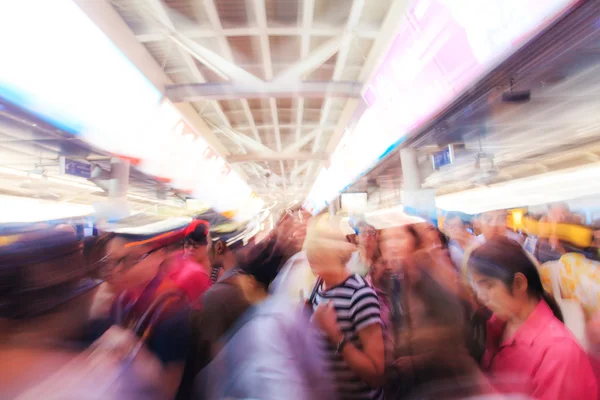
(429, 331)
(270, 351)
(529, 350)
(379, 277)
(460, 237)
(364, 258)
(346, 310)
(559, 213)
(296, 279)
(492, 224)
(142, 270)
(244, 283)
(197, 246)
(45, 297)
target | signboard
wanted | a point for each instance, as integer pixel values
(443, 47)
(442, 158)
(75, 168)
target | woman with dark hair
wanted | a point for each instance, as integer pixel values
(526, 338)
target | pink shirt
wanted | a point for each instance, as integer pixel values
(542, 359)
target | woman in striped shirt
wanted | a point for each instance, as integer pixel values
(346, 310)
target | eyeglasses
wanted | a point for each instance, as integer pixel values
(368, 233)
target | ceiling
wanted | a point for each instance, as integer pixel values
(275, 80)
(559, 128)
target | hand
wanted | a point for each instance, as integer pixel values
(326, 319)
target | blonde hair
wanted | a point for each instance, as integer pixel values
(324, 234)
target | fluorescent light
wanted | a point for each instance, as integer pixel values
(66, 182)
(541, 189)
(24, 209)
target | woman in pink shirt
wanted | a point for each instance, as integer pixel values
(529, 350)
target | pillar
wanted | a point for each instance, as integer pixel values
(411, 177)
(119, 178)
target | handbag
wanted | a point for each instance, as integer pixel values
(573, 315)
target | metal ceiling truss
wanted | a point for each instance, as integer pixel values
(273, 110)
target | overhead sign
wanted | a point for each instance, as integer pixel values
(75, 168)
(442, 158)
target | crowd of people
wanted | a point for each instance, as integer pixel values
(402, 311)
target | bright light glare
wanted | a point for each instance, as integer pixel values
(21, 209)
(444, 46)
(59, 65)
(541, 189)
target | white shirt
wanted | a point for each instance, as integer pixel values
(295, 280)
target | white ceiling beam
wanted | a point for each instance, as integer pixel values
(217, 27)
(260, 14)
(285, 126)
(298, 170)
(114, 27)
(159, 11)
(299, 120)
(300, 143)
(250, 118)
(213, 61)
(201, 33)
(308, 10)
(388, 32)
(256, 157)
(193, 92)
(246, 141)
(314, 60)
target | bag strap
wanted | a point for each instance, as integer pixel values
(313, 294)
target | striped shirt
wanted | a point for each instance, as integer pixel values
(356, 307)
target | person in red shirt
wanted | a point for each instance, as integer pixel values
(529, 350)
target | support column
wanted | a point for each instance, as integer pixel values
(411, 176)
(119, 178)
(415, 200)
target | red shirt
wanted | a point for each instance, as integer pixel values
(542, 360)
(189, 276)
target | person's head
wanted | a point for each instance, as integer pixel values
(131, 263)
(559, 213)
(44, 284)
(292, 227)
(399, 243)
(326, 248)
(493, 224)
(219, 253)
(367, 238)
(505, 278)
(430, 236)
(380, 271)
(455, 226)
(197, 243)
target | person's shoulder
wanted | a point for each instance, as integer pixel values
(357, 282)
(362, 289)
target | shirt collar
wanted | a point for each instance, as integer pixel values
(529, 331)
(229, 273)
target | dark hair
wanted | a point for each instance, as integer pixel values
(263, 261)
(199, 236)
(502, 258)
(411, 230)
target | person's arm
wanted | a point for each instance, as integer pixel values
(565, 373)
(368, 363)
